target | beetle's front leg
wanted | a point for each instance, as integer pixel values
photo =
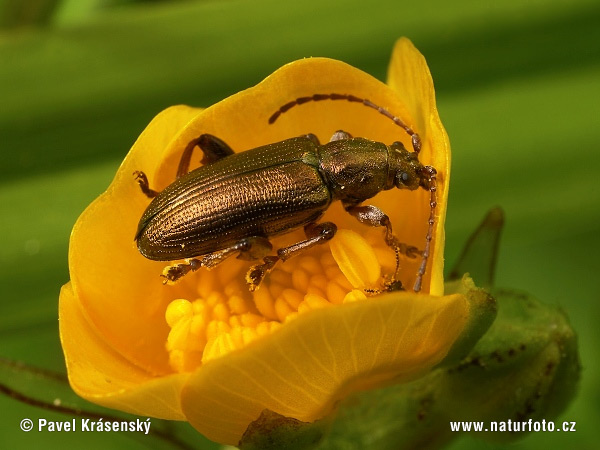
(373, 216)
(315, 233)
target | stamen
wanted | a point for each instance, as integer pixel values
(355, 258)
(178, 310)
(227, 317)
(355, 295)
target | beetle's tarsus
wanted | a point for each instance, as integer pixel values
(410, 251)
(257, 273)
(173, 273)
(392, 285)
(142, 180)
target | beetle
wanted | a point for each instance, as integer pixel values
(235, 202)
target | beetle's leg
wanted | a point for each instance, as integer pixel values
(212, 147)
(340, 135)
(173, 273)
(392, 285)
(373, 216)
(315, 233)
(313, 137)
(252, 248)
(142, 180)
(410, 251)
(248, 249)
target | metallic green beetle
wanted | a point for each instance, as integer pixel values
(236, 201)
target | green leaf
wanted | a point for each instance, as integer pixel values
(50, 392)
(480, 253)
(526, 367)
(272, 431)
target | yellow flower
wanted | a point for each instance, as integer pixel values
(207, 350)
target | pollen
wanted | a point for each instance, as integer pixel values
(223, 316)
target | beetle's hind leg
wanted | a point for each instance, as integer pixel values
(315, 233)
(212, 147)
(142, 180)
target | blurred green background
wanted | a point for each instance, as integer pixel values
(518, 89)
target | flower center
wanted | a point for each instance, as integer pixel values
(225, 316)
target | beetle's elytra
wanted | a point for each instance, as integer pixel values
(235, 202)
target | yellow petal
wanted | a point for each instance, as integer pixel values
(317, 359)
(117, 287)
(409, 76)
(115, 304)
(100, 374)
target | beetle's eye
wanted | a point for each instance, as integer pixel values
(404, 177)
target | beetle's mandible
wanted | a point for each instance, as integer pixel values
(235, 202)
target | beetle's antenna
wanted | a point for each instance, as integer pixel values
(416, 140)
(432, 186)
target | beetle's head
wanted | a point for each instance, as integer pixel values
(407, 170)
